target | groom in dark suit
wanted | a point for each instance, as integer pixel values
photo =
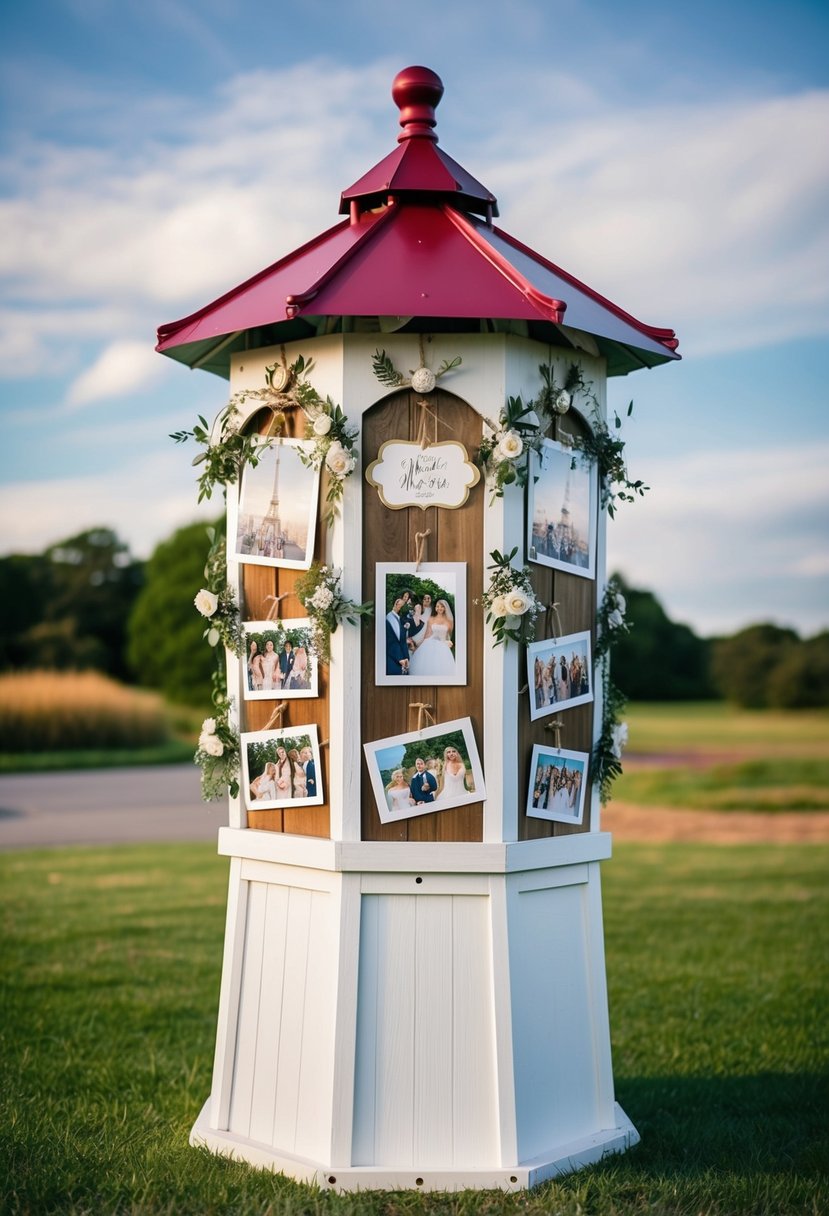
(286, 663)
(306, 757)
(423, 784)
(400, 630)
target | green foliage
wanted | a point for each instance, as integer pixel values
(659, 660)
(67, 608)
(109, 973)
(385, 371)
(743, 665)
(166, 647)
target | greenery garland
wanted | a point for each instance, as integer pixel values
(510, 601)
(607, 753)
(321, 596)
(218, 751)
(217, 601)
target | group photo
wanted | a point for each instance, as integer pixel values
(430, 770)
(420, 634)
(281, 768)
(558, 784)
(559, 674)
(274, 520)
(562, 509)
(279, 660)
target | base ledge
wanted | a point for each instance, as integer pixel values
(563, 1159)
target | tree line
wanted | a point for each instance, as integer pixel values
(86, 602)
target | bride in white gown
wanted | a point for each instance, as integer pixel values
(454, 776)
(398, 795)
(434, 655)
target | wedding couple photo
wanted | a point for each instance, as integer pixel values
(429, 770)
(280, 661)
(558, 784)
(420, 635)
(281, 768)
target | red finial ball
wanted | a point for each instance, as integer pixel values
(416, 92)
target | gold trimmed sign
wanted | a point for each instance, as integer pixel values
(408, 475)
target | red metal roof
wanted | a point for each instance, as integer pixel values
(414, 246)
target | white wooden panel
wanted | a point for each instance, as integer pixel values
(551, 1018)
(248, 1016)
(345, 1029)
(472, 1029)
(234, 953)
(293, 1019)
(395, 996)
(425, 1090)
(433, 1039)
(270, 1014)
(313, 1120)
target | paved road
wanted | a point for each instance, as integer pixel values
(106, 806)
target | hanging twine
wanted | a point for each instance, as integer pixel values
(420, 547)
(422, 712)
(276, 717)
(555, 726)
(554, 619)
(423, 440)
(273, 611)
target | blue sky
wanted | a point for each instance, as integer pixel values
(674, 157)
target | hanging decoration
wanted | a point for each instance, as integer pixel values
(217, 753)
(217, 602)
(607, 753)
(422, 379)
(503, 455)
(510, 602)
(321, 595)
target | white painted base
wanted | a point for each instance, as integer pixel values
(562, 1159)
(384, 1023)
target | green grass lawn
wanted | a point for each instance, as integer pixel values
(717, 964)
(741, 760)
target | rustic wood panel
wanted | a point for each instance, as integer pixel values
(257, 583)
(576, 600)
(389, 536)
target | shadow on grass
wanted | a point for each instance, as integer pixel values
(765, 1124)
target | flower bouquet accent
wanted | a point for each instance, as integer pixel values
(422, 379)
(503, 455)
(321, 595)
(333, 449)
(510, 602)
(218, 749)
(217, 602)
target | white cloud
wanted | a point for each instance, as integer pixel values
(122, 367)
(724, 538)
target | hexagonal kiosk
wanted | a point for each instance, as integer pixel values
(413, 989)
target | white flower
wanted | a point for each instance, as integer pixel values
(206, 602)
(208, 726)
(510, 446)
(499, 606)
(621, 603)
(423, 380)
(339, 461)
(517, 602)
(322, 424)
(619, 739)
(615, 620)
(322, 598)
(211, 744)
(561, 401)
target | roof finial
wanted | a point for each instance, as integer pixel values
(416, 92)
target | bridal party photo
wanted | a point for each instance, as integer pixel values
(279, 660)
(558, 783)
(420, 633)
(281, 768)
(429, 770)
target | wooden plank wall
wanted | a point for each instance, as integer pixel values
(389, 536)
(576, 599)
(258, 582)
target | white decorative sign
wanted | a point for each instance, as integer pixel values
(407, 475)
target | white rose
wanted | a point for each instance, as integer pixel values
(517, 602)
(620, 738)
(208, 726)
(206, 602)
(615, 619)
(621, 603)
(510, 445)
(212, 745)
(322, 424)
(499, 606)
(339, 461)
